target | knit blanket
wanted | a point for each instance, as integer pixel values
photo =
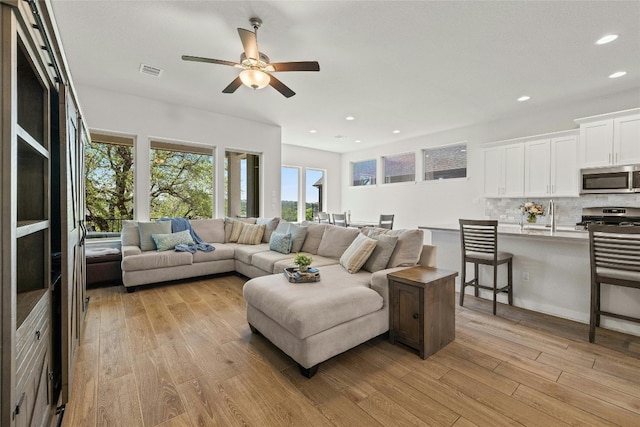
(181, 224)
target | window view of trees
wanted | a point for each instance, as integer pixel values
(181, 181)
(109, 182)
(289, 193)
(313, 191)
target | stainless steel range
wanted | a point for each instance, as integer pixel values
(609, 216)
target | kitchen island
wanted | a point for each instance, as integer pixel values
(551, 272)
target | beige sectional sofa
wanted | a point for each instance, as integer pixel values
(311, 322)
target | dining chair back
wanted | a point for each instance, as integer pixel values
(339, 220)
(386, 221)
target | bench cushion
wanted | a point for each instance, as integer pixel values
(302, 308)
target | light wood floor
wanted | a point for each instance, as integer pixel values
(183, 355)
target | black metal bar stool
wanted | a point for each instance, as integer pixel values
(615, 260)
(479, 243)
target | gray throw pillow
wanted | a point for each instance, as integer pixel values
(381, 254)
(146, 229)
(298, 234)
(270, 226)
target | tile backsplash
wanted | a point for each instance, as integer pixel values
(568, 209)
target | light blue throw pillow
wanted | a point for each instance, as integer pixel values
(280, 242)
(165, 242)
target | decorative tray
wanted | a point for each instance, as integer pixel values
(293, 275)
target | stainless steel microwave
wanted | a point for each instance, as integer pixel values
(617, 179)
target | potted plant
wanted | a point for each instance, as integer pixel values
(303, 262)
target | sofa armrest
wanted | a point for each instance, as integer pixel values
(428, 256)
(130, 250)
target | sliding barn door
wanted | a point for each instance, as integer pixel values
(72, 230)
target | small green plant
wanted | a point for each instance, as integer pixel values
(302, 261)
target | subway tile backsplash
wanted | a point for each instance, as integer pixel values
(568, 209)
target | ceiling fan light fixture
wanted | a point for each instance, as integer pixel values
(255, 79)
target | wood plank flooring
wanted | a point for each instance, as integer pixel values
(182, 355)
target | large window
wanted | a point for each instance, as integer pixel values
(242, 184)
(445, 162)
(109, 183)
(289, 192)
(181, 181)
(363, 173)
(400, 168)
(313, 193)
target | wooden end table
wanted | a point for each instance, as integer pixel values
(422, 308)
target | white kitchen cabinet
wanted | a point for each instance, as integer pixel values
(610, 139)
(504, 171)
(551, 167)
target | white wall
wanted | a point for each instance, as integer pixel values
(429, 203)
(293, 155)
(146, 119)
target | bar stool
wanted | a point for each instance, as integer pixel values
(615, 260)
(479, 241)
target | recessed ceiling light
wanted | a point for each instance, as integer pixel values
(358, 141)
(312, 131)
(607, 39)
(396, 131)
(524, 98)
(350, 118)
(617, 74)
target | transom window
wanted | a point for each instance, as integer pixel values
(400, 168)
(446, 162)
(363, 173)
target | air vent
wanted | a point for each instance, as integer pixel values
(152, 71)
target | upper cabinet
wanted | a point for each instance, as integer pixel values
(538, 166)
(551, 166)
(610, 139)
(503, 171)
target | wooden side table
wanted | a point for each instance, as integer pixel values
(422, 308)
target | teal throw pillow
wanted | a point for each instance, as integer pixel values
(165, 242)
(280, 242)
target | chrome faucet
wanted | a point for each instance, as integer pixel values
(552, 215)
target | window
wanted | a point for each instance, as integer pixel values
(314, 192)
(445, 162)
(400, 168)
(363, 173)
(181, 180)
(242, 184)
(109, 183)
(289, 193)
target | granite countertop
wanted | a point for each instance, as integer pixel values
(534, 231)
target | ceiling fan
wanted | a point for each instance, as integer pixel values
(255, 65)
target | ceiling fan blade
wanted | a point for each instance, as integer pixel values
(235, 84)
(296, 66)
(210, 60)
(281, 87)
(249, 42)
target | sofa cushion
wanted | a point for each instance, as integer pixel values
(336, 240)
(151, 260)
(245, 252)
(280, 242)
(357, 253)
(266, 260)
(382, 253)
(165, 242)
(298, 234)
(270, 226)
(209, 230)
(221, 252)
(251, 234)
(408, 249)
(302, 308)
(228, 226)
(313, 237)
(130, 235)
(318, 261)
(146, 229)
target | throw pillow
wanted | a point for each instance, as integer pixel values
(146, 229)
(381, 254)
(280, 242)
(336, 240)
(271, 224)
(298, 234)
(236, 230)
(357, 253)
(251, 234)
(164, 242)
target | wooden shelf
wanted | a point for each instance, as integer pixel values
(29, 227)
(25, 302)
(32, 142)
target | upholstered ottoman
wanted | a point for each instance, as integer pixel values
(312, 322)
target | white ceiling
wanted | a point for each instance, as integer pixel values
(417, 66)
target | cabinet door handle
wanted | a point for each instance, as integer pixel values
(38, 335)
(415, 316)
(16, 411)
